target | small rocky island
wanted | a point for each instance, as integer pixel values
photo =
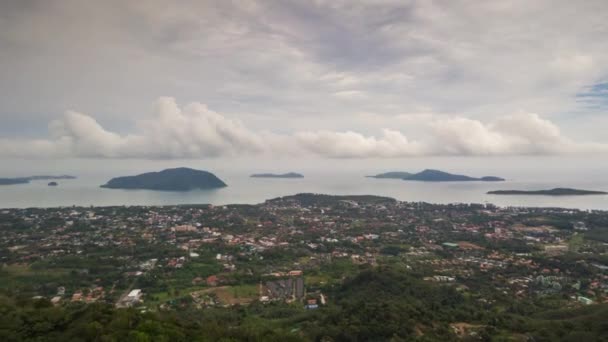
(392, 175)
(551, 192)
(26, 180)
(53, 184)
(430, 175)
(275, 175)
(178, 179)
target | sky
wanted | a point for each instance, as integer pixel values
(294, 80)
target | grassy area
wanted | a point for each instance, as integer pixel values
(15, 276)
(317, 279)
(157, 298)
(576, 242)
(244, 291)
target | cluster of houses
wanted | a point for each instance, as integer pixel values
(454, 243)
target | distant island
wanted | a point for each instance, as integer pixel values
(551, 192)
(12, 181)
(274, 175)
(52, 184)
(430, 175)
(26, 180)
(392, 175)
(178, 179)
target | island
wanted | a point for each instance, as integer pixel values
(26, 180)
(274, 175)
(12, 181)
(392, 175)
(430, 175)
(177, 179)
(52, 184)
(551, 192)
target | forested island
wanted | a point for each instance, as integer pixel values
(178, 179)
(551, 192)
(26, 180)
(430, 175)
(277, 175)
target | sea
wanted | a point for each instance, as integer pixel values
(341, 177)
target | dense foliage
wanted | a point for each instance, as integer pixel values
(375, 305)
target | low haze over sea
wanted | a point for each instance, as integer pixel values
(337, 177)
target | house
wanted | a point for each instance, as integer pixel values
(450, 245)
(77, 297)
(553, 250)
(311, 304)
(134, 295)
(212, 280)
(584, 300)
(56, 300)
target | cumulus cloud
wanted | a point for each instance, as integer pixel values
(172, 132)
(355, 145)
(195, 131)
(518, 134)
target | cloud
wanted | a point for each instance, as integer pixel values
(355, 145)
(518, 134)
(172, 132)
(195, 131)
(296, 63)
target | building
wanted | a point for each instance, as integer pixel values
(288, 289)
(584, 300)
(134, 295)
(212, 280)
(555, 249)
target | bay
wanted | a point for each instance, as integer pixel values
(85, 191)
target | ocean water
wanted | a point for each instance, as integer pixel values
(85, 190)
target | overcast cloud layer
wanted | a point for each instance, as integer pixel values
(340, 79)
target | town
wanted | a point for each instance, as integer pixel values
(296, 251)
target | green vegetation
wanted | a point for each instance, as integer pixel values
(306, 267)
(374, 305)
